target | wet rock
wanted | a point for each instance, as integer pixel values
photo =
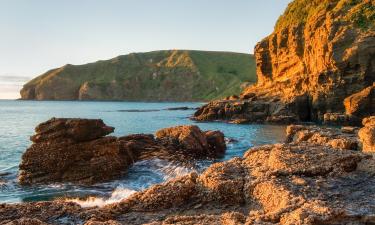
(180, 108)
(75, 130)
(367, 134)
(302, 182)
(194, 141)
(138, 110)
(216, 143)
(61, 153)
(73, 150)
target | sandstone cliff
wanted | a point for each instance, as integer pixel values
(154, 76)
(320, 53)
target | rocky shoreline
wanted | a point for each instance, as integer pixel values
(318, 66)
(318, 176)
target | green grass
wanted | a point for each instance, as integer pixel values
(179, 75)
(360, 13)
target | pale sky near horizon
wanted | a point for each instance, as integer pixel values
(39, 35)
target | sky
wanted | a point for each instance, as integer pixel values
(38, 35)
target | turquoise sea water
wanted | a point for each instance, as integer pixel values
(18, 119)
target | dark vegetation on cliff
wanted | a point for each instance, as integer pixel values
(175, 75)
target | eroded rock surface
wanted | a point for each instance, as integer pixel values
(77, 150)
(319, 59)
(308, 180)
(367, 134)
(345, 138)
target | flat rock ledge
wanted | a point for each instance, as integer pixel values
(78, 150)
(319, 176)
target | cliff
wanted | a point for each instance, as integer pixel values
(175, 75)
(320, 53)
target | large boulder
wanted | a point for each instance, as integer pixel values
(77, 150)
(361, 104)
(194, 141)
(76, 130)
(367, 134)
(73, 150)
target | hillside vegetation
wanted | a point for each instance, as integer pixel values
(361, 13)
(175, 75)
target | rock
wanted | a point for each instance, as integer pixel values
(25, 221)
(77, 130)
(330, 137)
(349, 130)
(56, 212)
(315, 62)
(64, 160)
(179, 108)
(194, 141)
(77, 151)
(302, 182)
(361, 104)
(367, 134)
(223, 181)
(336, 119)
(240, 121)
(216, 143)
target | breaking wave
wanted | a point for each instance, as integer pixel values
(142, 175)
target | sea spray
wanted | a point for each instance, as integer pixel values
(117, 195)
(167, 170)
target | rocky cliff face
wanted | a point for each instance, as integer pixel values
(320, 53)
(153, 76)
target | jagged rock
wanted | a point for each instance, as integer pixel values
(337, 119)
(77, 151)
(25, 221)
(194, 141)
(77, 130)
(296, 183)
(56, 212)
(361, 104)
(222, 180)
(216, 143)
(311, 63)
(331, 137)
(73, 150)
(367, 134)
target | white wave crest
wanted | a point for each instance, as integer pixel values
(117, 195)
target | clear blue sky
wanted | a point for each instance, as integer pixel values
(37, 35)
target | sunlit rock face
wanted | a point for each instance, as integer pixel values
(320, 53)
(367, 134)
(328, 56)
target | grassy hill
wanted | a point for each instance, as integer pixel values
(359, 12)
(175, 75)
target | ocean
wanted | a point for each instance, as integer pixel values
(19, 118)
